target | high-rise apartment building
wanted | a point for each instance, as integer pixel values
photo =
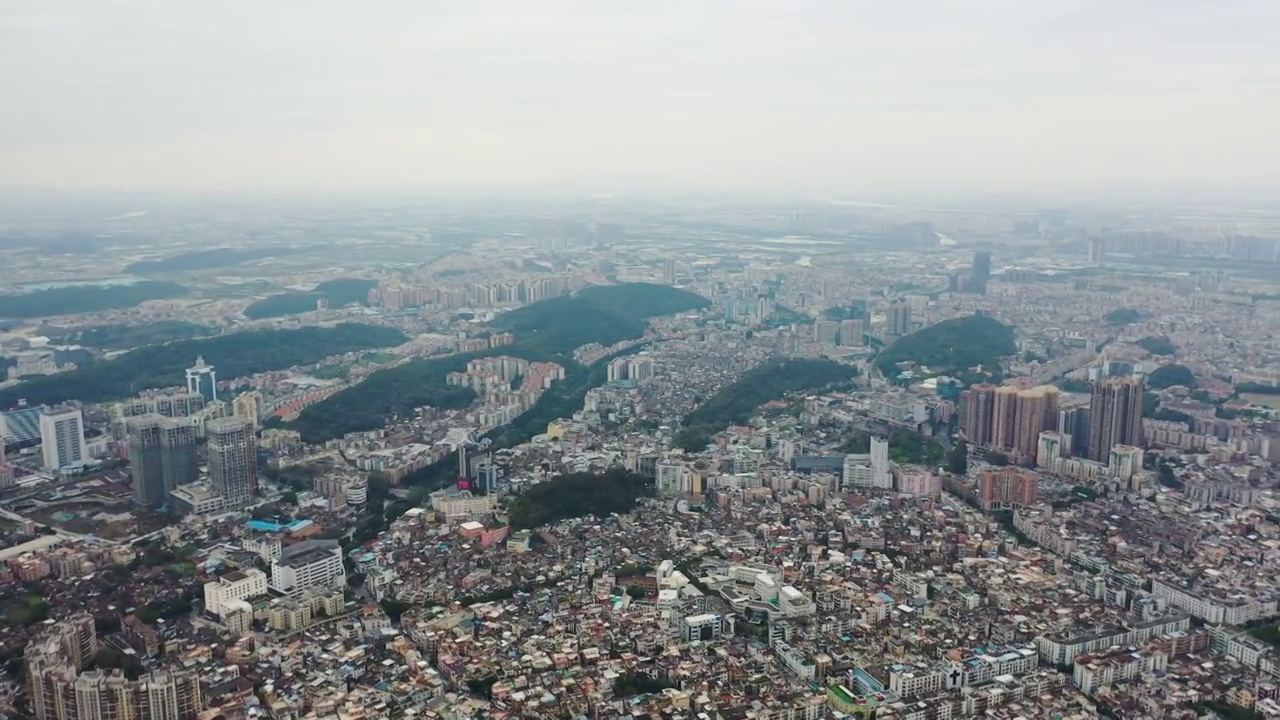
(1052, 445)
(826, 332)
(979, 414)
(1004, 418)
(669, 271)
(202, 379)
(59, 687)
(233, 462)
(62, 438)
(248, 407)
(1074, 422)
(7, 473)
(851, 332)
(1115, 416)
(899, 318)
(162, 456)
(981, 273)
(1036, 410)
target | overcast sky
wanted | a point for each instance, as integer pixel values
(612, 96)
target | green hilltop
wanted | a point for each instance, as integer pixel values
(951, 347)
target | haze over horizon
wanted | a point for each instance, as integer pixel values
(604, 96)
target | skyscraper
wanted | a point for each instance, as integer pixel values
(669, 271)
(202, 379)
(1115, 416)
(162, 456)
(851, 332)
(899, 319)
(6, 470)
(233, 462)
(1036, 410)
(979, 414)
(1004, 424)
(62, 438)
(981, 272)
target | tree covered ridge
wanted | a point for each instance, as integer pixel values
(234, 355)
(338, 292)
(86, 299)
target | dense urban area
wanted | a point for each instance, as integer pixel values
(710, 459)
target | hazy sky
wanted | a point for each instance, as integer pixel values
(611, 96)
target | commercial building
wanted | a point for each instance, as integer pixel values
(233, 460)
(309, 565)
(1115, 416)
(871, 469)
(62, 438)
(237, 586)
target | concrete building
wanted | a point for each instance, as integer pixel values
(979, 414)
(308, 565)
(248, 407)
(871, 469)
(62, 438)
(1115, 416)
(1006, 488)
(1051, 446)
(233, 460)
(232, 588)
(202, 380)
(162, 456)
(1125, 461)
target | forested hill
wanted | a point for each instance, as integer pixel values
(233, 355)
(600, 314)
(736, 402)
(547, 330)
(952, 347)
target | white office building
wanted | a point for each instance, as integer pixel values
(62, 438)
(869, 470)
(311, 564)
(225, 593)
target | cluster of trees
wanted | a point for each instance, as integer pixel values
(1170, 375)
(1170, 415)
(1075, 386)
(577, 494)
(1123, 316)
(952, 347)
(125, 337)
(205, 260)
(86, 298)
(1259, 388)
(339, 292)
(1158, 345)
(234, 355)
(634, 683)
(165, 609)
(737, 401)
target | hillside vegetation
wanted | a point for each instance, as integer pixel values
(545, 331)
(339, 292)
(233, 355)
(736, 402)
(601, 314)
(205, 260)
(86, 299)
(951, 347)
(1170, 375)
(124, 337)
